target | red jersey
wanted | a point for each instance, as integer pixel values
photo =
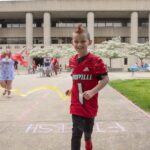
(84, 78)
(55, 61)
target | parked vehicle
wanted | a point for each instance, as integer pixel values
(135, 67)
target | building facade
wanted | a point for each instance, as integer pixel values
(44, 22)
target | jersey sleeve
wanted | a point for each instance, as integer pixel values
(100, 67)
(72, 62)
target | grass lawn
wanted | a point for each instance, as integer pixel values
(138, 91)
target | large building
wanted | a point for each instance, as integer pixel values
(44, 22)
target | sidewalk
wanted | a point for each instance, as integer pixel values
(41, 121)
(132, 131)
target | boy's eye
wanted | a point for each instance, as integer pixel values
(83, 41)
(76, 42)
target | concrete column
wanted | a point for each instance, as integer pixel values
(149, 27)
(47, 29)
(134, 27)
(90, 26)
(29, 31)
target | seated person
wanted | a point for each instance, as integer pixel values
(47, 62)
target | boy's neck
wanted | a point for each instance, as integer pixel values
(83, 54)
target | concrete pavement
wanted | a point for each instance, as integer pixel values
(41, 120)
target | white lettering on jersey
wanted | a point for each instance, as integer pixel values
(82, 77)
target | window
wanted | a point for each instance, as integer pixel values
(117, 24)
(84, 24)
(128, 24)
(8, 25)
(22, 25)
(144, 24)
(22, 41)
(109, 24)
(17, 47)
(15, 25)
(12, 41)
(69, 24)
(95, 24)
(125, 61)
(38, 40)
(2, 40)
(143, 39)
(34, 25)
(101, 24)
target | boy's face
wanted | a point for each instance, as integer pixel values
(80, 42)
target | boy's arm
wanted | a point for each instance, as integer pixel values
(101, 84)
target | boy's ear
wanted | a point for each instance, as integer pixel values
(90, 42)
(72, 42)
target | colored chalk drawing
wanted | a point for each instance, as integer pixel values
(48, 87)
(46, 128)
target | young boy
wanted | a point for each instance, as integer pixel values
(89, 76)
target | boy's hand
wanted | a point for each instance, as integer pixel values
(88, 94)
(68, 93)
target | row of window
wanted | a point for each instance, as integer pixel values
(61, 24)
(96, 24)
(15, 25)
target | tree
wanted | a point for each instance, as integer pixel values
(68, 51)
(51, 51)
(142, 51)
(111, 49)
